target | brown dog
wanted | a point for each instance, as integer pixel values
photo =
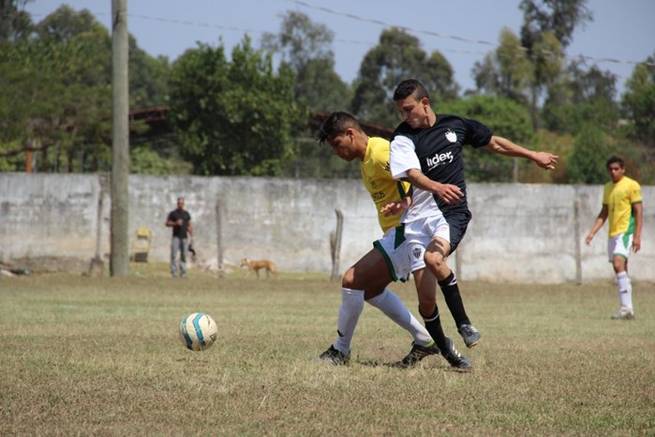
(257, 265)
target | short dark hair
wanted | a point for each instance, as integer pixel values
(615, 159)
(408, 87)
(337, 123)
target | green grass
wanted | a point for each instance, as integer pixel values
(102, 356)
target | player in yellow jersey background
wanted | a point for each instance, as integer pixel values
(622, 204)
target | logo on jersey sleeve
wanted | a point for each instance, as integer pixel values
(451, 136)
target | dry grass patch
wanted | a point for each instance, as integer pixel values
(101, 356)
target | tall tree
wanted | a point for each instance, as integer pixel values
(582, 96)
(398, 56)
(305, 47)
(560, 17)
(15, 23)
(547, 29)
(507, 71)
(639, 102)
(234, 117)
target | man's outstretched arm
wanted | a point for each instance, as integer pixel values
(503, 146)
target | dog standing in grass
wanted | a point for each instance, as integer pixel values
(257, 265)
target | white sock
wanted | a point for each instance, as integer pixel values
(352, 304)
(625, 289)
(391, 305)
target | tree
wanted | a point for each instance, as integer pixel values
(61, 90)
(398, 56)
(233, 117)
(507, 71)
(639, 102)
(560, 17)
(15, 23)
(304, 47)
(506, 118)
(144, 160)
(586, 164)
(547, 30)
(582, 97)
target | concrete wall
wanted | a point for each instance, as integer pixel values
(519, 232)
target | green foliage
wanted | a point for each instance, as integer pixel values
(319, 88)
(591, 149)
(639, 102)
(61, 91)
(300, 40)
(15, 23)
(144, 160)
(305, 47)
(582, 97)
(233, 117)
(560, 17)
(507, 71)
(506, 118)
(398, 56)
(148, 78)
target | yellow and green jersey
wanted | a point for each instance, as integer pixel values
(619, 198)
(378, 181)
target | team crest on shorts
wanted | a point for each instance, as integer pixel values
(417, 252)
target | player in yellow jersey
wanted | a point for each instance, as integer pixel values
(378, 182)
(623, 206)
(368, 279)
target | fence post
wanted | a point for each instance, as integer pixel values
(335, 245)
(576, 235)
(458, 262)
(219, 237)
(97, 265)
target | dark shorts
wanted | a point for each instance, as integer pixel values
(458, 221)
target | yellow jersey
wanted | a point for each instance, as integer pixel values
(619, 198)
(377, 179)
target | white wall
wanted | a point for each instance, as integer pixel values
(519, 232)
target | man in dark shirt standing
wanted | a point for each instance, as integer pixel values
(180, 220)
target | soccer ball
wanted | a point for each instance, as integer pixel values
(198, 331)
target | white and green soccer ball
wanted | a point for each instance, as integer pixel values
(198, 331)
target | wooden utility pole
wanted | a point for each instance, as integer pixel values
(120, 165)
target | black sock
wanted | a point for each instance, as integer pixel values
(433, 325)
(450, 291)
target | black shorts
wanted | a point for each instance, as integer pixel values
(458, 221)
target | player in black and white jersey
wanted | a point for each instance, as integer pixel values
(426, 150)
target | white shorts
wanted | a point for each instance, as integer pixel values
(403, 247)
(619, 245)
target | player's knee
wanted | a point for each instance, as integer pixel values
(348, 279)
(619, 266)
(618, 263)
(435, 259)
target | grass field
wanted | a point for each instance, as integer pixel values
(102, 356)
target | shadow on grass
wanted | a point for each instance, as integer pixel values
(400, 366)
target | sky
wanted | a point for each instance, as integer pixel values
(620, 30)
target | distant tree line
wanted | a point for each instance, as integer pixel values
(247, 113)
